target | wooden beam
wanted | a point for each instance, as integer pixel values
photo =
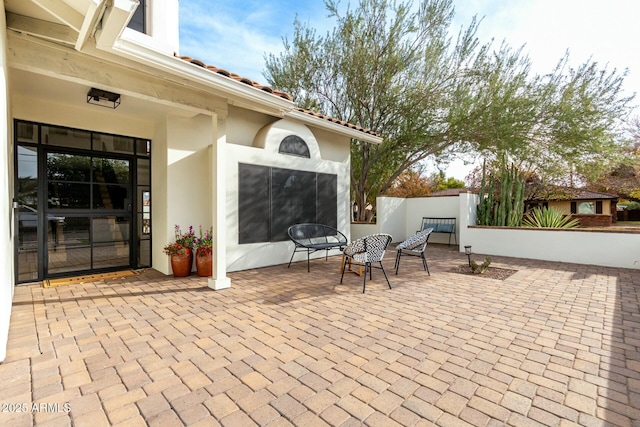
(62, 12)
(67, 64)
(43, 29)
(114, 21)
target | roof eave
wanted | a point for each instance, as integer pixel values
(195, 73)
(334, 127)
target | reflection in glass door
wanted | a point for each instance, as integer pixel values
(27, 211)
(89, 212)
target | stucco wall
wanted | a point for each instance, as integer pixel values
(80, 116)
(245, 256)
(183, 161)
(402, 217)
(583, 247)
(435, 207)
(243, 125)
(394, 218)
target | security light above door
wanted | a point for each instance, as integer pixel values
(103, 98)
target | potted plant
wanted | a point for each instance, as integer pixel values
(204, 249)
(181, 252)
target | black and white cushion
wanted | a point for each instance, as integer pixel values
(414, 242)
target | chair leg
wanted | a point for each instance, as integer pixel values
(385, 274)
(397, 266)
(308, 256)
(424, 262)
(294, 252)
(344, 267)
(364, 283)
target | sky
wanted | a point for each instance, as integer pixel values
(236, 35)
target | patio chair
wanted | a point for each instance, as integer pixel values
(366, 251)
(414, 246)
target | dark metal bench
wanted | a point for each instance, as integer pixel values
(440, 225)
(315, 237)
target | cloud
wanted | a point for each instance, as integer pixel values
(236, 35)
(588, 29)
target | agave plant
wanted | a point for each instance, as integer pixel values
(480, 268)
(549, 218)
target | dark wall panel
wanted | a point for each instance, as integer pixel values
(270, 200)
(327, 203)
(253, 203)
(293, 200)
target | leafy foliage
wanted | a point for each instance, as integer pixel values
(412, 183)
(204, 243)
(403, 75)
(549, 218)
(388, 69)
(619, 174)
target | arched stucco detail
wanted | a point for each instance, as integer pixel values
(271, 135)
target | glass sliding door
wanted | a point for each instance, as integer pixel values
(82, 202)
(89, 212)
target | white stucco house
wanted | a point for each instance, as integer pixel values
(110, 139)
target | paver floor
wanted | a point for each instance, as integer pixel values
(554, 344)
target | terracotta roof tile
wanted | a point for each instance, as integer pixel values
(235, 77)
(340, 122)
(272, 91)
(567, 193)
(452, 192)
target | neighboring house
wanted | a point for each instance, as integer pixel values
(592, 208)
(179, 142)
(452, 192)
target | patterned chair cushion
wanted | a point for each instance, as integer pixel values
(368, 249)
(355, 247)
(415, 241)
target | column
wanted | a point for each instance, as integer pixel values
(219, 279)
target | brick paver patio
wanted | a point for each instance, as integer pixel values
(554, 344)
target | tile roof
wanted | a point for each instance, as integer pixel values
(272, 91)
(566, 193)
(340, 122)
(452, 192)
(236, 77)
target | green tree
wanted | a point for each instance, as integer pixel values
(619, 174)
(410, 183)
(439, 182)
(401, 74)
(388, 69)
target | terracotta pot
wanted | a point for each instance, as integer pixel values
(181, 264)
(204, 264)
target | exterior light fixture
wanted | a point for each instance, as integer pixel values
(103, 98)
(467, 252)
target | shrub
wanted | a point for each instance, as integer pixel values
(549, 218)
(480, 268)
